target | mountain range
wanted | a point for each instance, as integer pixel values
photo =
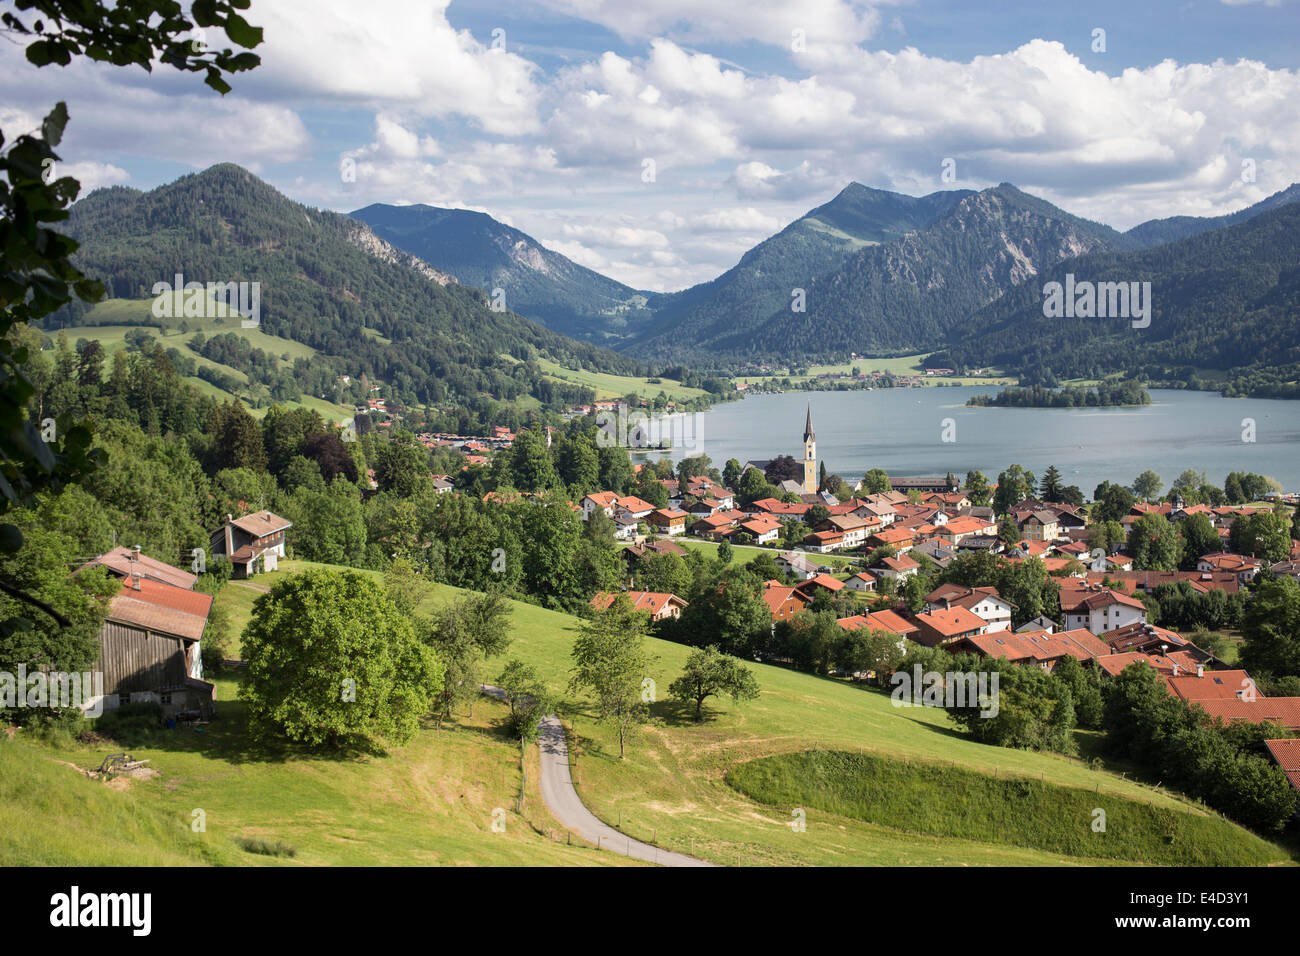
(880, 273)
(329, 282)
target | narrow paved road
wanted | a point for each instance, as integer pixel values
(566, 806)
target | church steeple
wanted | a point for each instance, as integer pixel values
(809, 455)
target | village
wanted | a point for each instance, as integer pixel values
(861, 553)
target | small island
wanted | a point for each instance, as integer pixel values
(1105, 395)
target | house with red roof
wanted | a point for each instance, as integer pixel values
(1283, 711)
(253, 543)
(1097, 608)
(820, 582)
(605, 501)
(657, 604)
(985, 603)
(1287, 754)
(784, 602)
(943, 626)
(1244, 567)
(669, 521)
(1041, 648)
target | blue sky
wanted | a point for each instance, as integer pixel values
(747, 114)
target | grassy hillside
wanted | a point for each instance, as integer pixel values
(609, 386)
(431, 801)
(108, 322)
(952, 802)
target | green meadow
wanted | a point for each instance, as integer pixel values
(432, 801)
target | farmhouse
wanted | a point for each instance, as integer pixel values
(983, 602)
(150, 642)
(667, 521)
(657, 604)
(947, 625)
(253, 543)
(1097, 608)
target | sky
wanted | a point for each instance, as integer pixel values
(657, 140)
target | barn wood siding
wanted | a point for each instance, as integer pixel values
(134, 660)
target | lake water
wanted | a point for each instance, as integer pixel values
(902, 430)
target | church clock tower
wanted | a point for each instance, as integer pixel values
(809, 455)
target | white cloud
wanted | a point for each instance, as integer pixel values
(766, 21)
(387, 54)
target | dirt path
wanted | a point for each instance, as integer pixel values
(562, 800)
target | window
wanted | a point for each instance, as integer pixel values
(123, 699)
(166, 697)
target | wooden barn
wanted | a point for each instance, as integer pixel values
(150, 643)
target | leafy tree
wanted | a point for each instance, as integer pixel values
(977, 488)
(579, 464)
(754, 487)
(1271, 629)
(530, 462)
(1014, 485)
(731, 473)
(693, 465)
(464, 633)
(1265, 535)
(1111, 502)
(864, 651)
(1147, 485)
(404, 586)
(401, 465)
(331, 455)
(528, 698)
(726, 553)
(709, 673)
(875, 481)
(1199, 537)
(783, 468)
(332, 661)
(1154, 544)
(1008, 533)
(610, 661)
(731, 613)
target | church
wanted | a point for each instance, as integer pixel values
(808, 461)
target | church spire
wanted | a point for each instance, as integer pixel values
(808, 429)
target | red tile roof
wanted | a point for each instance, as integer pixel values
(119, 562)
(1283, 711)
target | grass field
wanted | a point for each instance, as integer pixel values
(952, 802)
(128, 314)
(744, 553)
(901, 365)
(432, 800)
(616, 386)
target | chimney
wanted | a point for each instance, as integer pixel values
(230, 543)
(1175, 669)
(135, 567)
(1200, 670)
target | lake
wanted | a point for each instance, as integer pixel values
(902, 430)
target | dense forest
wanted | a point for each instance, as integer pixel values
(1040, 396)
(1225, 314)
(327, 282)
